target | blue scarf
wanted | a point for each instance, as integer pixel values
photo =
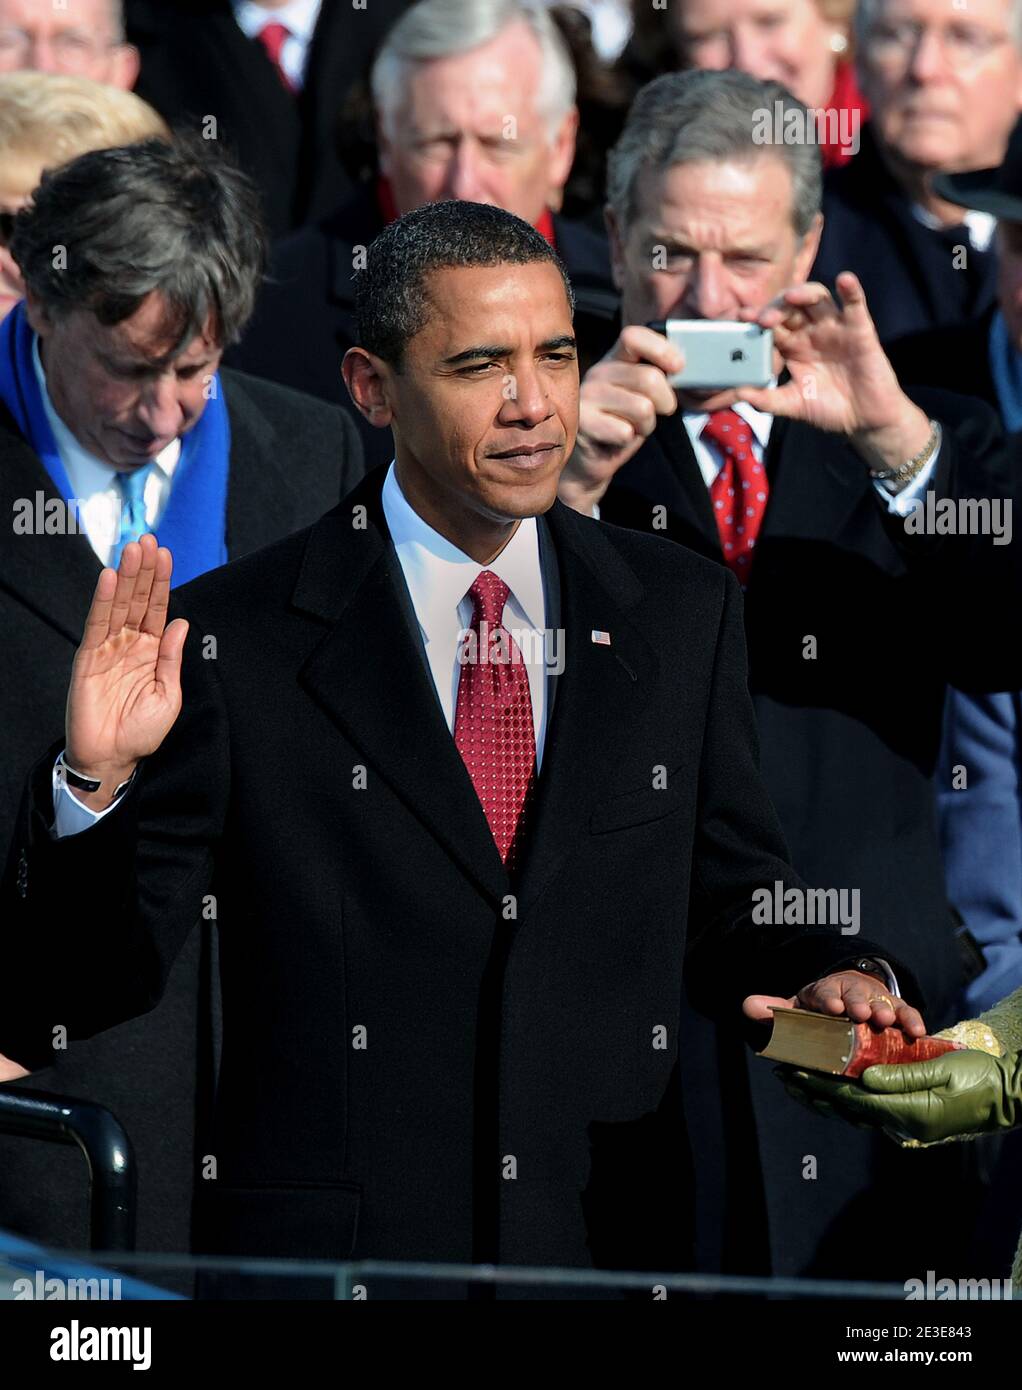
(194, 521)
(1006, 368)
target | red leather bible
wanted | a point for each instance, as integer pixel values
(838, 1045)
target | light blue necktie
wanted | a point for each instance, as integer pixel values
(132, 489)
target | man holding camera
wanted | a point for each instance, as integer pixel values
(812, 488)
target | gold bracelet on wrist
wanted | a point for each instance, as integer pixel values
(905, 472)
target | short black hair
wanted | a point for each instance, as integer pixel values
(108, 228)
(391, 303)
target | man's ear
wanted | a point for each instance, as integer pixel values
(37, 316)
(806, 253)
(617, 250)
(562, 152)
(125, 67)
(382, 140)
(367, 378)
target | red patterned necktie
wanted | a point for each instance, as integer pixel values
(493, 728)
(739, 491)
(273, 37)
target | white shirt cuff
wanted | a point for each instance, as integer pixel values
(903, 502)
(70, 817)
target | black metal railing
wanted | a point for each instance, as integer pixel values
(105, 1144)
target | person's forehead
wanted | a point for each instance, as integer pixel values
(488, 83)
(749, 191)
(49, 15)
(696, 15)
(524, 300)
(992, 11)
(149, 334)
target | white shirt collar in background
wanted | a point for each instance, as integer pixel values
(709, 459)
(298, 17)
(980, 224)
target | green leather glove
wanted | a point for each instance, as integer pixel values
(954, 1096)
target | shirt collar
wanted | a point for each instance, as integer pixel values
(759, 421)
(80, 464)
(980, 224)
(298, 16)
(439, 575)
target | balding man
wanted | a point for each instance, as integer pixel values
(474, 100)
(80, 37)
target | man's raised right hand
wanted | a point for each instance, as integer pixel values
(619, 402)
(125, 690)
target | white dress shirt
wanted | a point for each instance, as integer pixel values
(610, 23)
(979, 225)
(438, 576)
(94, 483)
(711, 461)
(297, 16)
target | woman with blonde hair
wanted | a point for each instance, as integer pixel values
(47, 119)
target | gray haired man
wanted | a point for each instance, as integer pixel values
(812, 490)
(141, 264)
(474, 100)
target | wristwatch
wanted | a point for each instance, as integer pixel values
(67, 776)
(876, 965)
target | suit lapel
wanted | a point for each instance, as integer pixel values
(54, 575)
(254, 79)
(815, 485)
(601, 689)
(262, 504)
(331, 67)
(370, 676)
(918, 256)
(665, 471)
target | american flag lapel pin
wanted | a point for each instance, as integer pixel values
(602, 639)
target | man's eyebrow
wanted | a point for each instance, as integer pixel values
(502, 350)
(113, 358)
(681, 243)
(128, 363)
(470, 354)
